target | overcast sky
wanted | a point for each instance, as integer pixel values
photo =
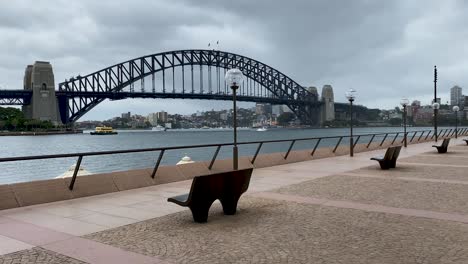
(383, 49)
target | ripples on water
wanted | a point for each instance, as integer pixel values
(11, 172)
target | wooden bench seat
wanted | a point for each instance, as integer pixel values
(443, 147)
(226, 186)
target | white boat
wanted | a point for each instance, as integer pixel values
(262, 129)
(158, 128)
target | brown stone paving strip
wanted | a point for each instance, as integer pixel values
(428, 171)
(364, 207)
(405, 178)
(437, 159)
(269, 231)
(433, 164)
(37, 255)
(440, 197)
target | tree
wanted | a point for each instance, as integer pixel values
(285, 118)
(395, 121)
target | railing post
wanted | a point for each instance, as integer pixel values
(337, 144)
(411, 140)
(157, 163)
(214, 157)
(75, 173)
(383, 140)
(289, 149)
(355, 142)
(315, 147)
(422, 134)
(393, 141)
(256, 153)
(370, 141)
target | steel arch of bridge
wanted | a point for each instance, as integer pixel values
(79, 95)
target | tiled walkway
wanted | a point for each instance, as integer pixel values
(334, 210)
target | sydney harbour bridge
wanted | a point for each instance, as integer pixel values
(181, 74)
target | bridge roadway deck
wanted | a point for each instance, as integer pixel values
(333, 210)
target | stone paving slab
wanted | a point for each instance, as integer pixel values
(37, 255)
(437, 159)
(440, 197)
(269, 231)
(415, 171)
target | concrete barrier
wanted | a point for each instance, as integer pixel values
(227, 165)
(93, 184)
(7, 197)
(126, 180)
(38, 192)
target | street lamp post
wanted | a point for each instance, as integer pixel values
(456, 109)
(404, 102)
(436, 107)
(351, 95)
(234, 78)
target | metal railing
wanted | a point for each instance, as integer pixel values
(422, 133)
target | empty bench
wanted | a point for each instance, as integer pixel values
(389, 159)
(443, 147)
(226, 186)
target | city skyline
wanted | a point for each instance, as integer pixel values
(385, 51)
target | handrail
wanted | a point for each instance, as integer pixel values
(162, 150)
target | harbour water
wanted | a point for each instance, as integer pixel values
(11, 172)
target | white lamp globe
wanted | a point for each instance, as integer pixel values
(234, 77)
(404, 101)
(436, 106)
(456, 108)
(351, 94)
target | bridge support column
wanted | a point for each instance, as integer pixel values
(43, 106)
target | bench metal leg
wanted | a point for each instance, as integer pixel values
(200, 212)
(230, 205)
(384, 165)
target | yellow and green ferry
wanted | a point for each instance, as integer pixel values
(104, 131)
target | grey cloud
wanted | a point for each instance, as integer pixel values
(383, 49)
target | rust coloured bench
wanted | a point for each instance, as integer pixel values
(226, 186)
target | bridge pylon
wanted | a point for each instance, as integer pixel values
(39, 78)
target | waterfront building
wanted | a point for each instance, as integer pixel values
(126, 115)
(277, 110)
(153, 119)
(263, 109)
(456, 96)
(162, 116)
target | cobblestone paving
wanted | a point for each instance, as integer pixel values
(266, 231)
(37, 255)
(437, 159)
(415, 171)
(440, 197)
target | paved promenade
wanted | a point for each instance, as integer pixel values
(333, 210)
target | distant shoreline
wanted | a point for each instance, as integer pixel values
(39, 133)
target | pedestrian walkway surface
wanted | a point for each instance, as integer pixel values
(333, 210)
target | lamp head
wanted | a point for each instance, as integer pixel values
(234, 78)
(404, 101)
(351, 94)
(456, 108)
(436, 106)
